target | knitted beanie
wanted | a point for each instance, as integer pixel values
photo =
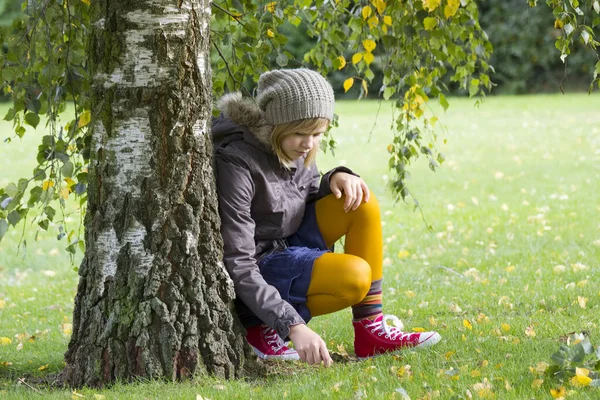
(287, 95)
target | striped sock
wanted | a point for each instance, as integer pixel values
(370, 306)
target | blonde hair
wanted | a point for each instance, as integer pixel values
(306, 126)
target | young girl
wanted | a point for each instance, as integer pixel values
(279, 224)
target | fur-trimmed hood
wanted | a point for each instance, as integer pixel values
(245, 113)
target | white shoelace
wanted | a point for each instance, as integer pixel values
(391, 331)
(273, 339)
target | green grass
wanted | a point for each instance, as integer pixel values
(517, 196)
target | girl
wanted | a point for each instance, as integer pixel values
(279, 224)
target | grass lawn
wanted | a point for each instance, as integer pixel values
(511, 266)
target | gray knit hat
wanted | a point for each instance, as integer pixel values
(287, 95)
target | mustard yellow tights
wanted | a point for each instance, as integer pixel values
(342, 280)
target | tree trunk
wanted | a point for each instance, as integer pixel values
(154, 299)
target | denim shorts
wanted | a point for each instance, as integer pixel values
(288, 266)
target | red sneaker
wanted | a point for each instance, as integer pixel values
(377, 337)
(268, 345)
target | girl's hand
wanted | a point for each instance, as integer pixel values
(353, 187)
(310, 347)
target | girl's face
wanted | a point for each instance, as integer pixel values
(298, 144)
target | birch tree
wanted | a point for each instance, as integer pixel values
(153, 296)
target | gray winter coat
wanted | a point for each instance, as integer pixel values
(259, 201)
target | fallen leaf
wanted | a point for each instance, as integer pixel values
(467, 324)
(43, 367)
(529, 331)
(559, 393)
(5, 341)
(505, 327)
(582, 301)
(536, 384)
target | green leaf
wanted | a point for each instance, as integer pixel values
(282, 60)
(50, 212)
(14, 217)
(444, 102)
(3, 228)
(473, 87)
(11, 189)
(430, 23)
(67, 169)
(577, 353)
(44, 224)
(32, 119)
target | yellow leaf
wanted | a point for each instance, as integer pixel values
(529, 331)
(558, 393)
(537, 383)
(369, 45)
(449, 354)
(365, 87)
(64, 192)
(67, 329)
(510, 268)
(357, 58)
(418, 329)
(432, 321)
(387, 20)
(373, 22)
(380, 5)
(582, 372)
(431, 5)
(70, 182)
(5, 341)
(47, 184)
(475, 373)
(270, 7)
(558, 24)
(390, 148)
(467, 324)
(86, 2)
(505, 327)
(403, 254)
(342, 61)
(430, 23)
(366, 12)
(451, 8)
(410, 294)
(348, 84)
(580, 380)
(2, 304)
(582, 301)
(368, 57)
(84, 119)
(270, 33)
(43, 367)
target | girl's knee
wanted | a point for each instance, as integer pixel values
(369, 209)
(359, 281)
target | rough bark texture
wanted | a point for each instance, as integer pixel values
(153, 299)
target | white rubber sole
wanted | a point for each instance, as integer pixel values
(430, 341)
(291, 355)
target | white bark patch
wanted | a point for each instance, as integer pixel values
(138, 68)
(199, 128)
(191, 242)
(134, 236)
(131, 151)
(229, 281)
(98, 134)
(107, 250)
(201, 61)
